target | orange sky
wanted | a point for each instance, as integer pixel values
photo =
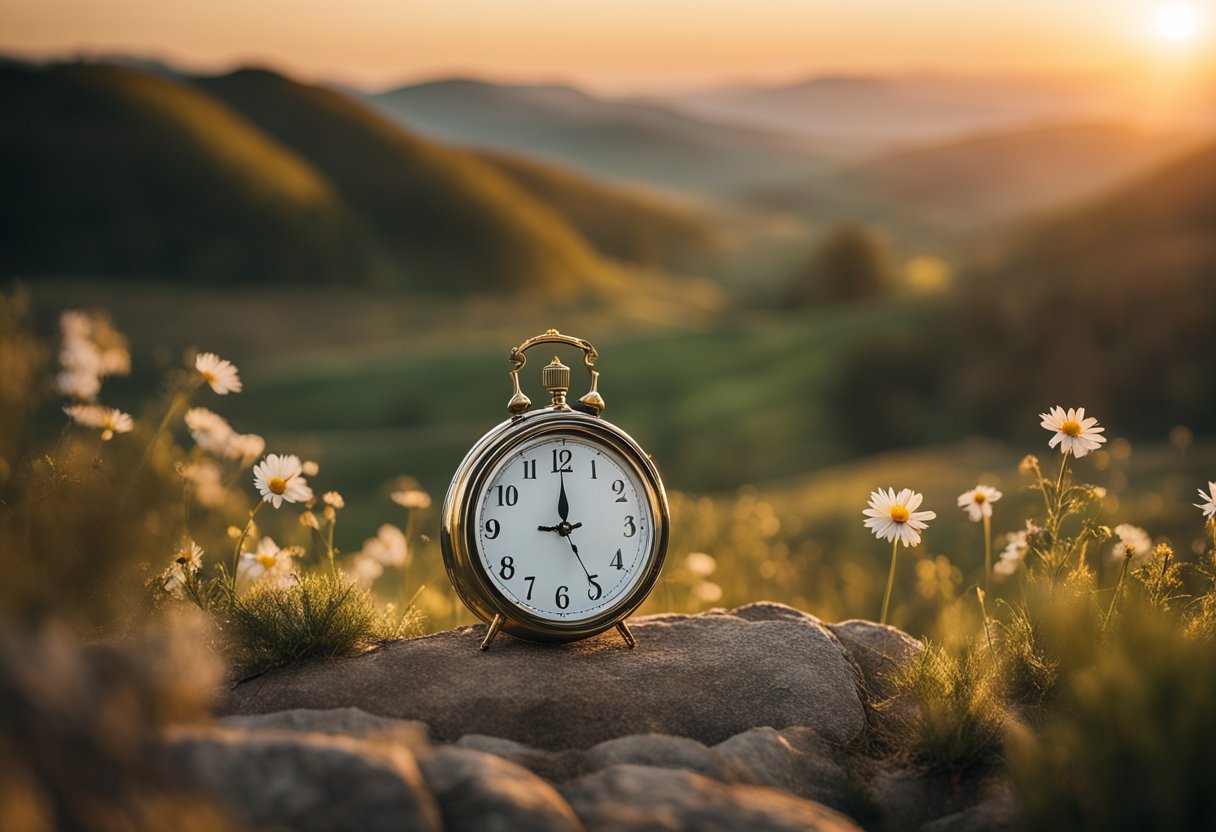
(612, 45)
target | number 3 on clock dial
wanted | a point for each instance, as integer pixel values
(564, 528)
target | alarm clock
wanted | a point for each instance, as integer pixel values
(555, 525)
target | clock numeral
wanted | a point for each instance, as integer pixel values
(531, 579)
(595, 590)
(630, 527)
(616, 561)
(529, 469)
(618, 488)
(593, 476)
(493, 527)
(506, 568)
(561, 598)
(508, 496)
(562, 461)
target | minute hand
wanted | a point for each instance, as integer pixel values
(563, 505)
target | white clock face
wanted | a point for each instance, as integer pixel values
(564, 528)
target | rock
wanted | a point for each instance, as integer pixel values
(623, 798)
(705, 677)
(999, 812)
(344, 722)
(878, 650)
(662, 752)
(484, 793)
(795, 760)
(305, 782)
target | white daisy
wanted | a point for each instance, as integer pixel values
(77, 384)
(364, 569)
(894, 516)
(412, 498)
(207, 484)
(109, 420)
(245, 448)
(978, 501)
(1013, 554)
(1208, 506)
(1131, 538)
(278, 478)
(187, 561)
(1073, 432)
(700, 564)
(210, 431)
(388, 547)
(270, 564)
(218, 372)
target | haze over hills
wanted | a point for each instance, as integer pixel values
(251, 176)
(626, 140)
(868, 114)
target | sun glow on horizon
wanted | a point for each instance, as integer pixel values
(1177, 22)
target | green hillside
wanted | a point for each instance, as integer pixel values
(636, 141)
(451, 219)
(623, 223)
(115, 171)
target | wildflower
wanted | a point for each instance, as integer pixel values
(1073, 432)
(412, 498)
(708, 591)
(77, 384)
(1013, 554)
(279, 478)
(364, 569)
(1028, 465)
(1133, 543)
(894, 516)
(333, 499)
(1208, 506)
(310, 468)
(92, 349)
(207, 481)
(388, 547)
(245, 448)
(700, 564)
(978, 502)
(187, 561)
(210, 431)
(309, 520)
(218, 372)
(109, 420)
(270, 563)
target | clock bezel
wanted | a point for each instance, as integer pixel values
(458, 533)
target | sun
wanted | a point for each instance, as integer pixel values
(1177, 21)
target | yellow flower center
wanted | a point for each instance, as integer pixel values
(267, 561)
(277, 485)
(899, 514)
(979, 497)
(1071, 428)
(208, 376)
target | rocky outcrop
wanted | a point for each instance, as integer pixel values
(705, 677)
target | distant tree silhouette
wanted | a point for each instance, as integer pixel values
(851, 263)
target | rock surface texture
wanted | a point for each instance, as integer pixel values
(759, 718)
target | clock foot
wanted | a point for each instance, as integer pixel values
(627, 634)
(495, 625)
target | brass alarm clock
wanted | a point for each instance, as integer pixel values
(555, 525)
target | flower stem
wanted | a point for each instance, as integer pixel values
(987, 632)
(987, 557)
(1118, 587)
(236, 552)
(886, 600)
(329, 547)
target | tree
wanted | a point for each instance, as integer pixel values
(850, 263)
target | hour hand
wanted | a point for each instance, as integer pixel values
(546, 528)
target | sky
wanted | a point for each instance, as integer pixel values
(619, 45)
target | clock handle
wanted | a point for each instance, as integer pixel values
(593, 401)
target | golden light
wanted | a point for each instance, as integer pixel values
(1177, 21)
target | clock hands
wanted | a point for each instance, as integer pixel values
(564, 528)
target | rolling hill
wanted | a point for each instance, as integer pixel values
(115, 171)
(634, 141)
(997, 176)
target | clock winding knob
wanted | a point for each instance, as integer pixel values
(556, 379)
